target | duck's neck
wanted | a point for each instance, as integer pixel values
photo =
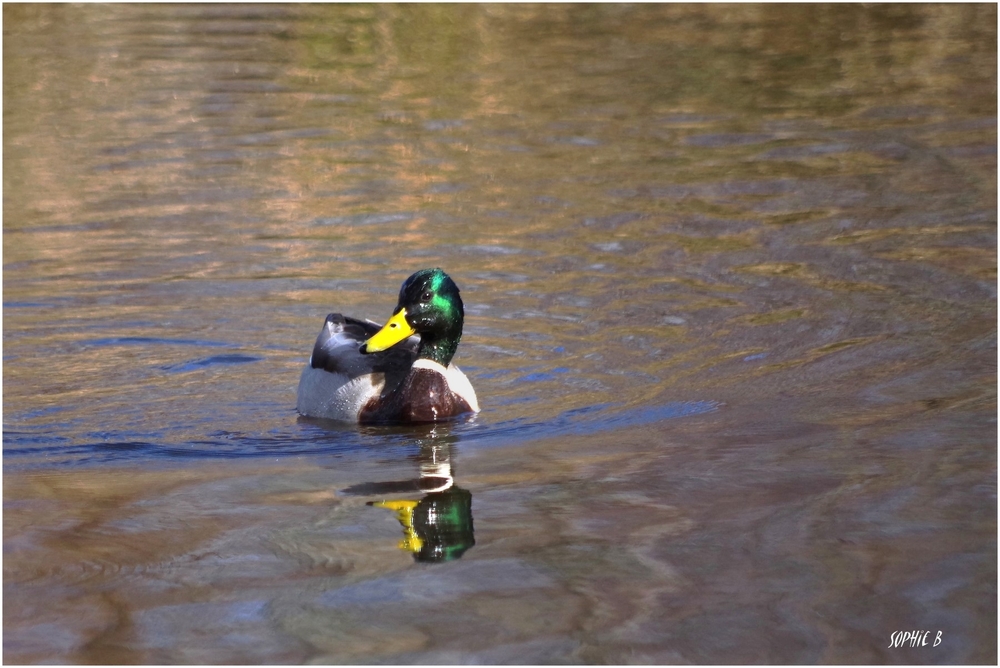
(438, 349)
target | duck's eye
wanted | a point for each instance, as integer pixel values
(426, 297)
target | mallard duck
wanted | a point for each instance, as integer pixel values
(399, 373)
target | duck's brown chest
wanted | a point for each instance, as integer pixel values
(423, 396)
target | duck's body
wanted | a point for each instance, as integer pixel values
(359, 372)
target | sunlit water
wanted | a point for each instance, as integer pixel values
(730, 285)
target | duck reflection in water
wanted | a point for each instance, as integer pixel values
(438, 525)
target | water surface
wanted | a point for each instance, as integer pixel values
(730, 286)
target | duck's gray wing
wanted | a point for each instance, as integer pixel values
(337, 350)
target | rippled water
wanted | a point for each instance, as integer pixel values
(730, 285)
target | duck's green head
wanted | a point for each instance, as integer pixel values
(429, 305)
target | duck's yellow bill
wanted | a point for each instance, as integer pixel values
(394, 331)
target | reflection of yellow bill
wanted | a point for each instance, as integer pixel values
(404, 513)
(394, 331)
